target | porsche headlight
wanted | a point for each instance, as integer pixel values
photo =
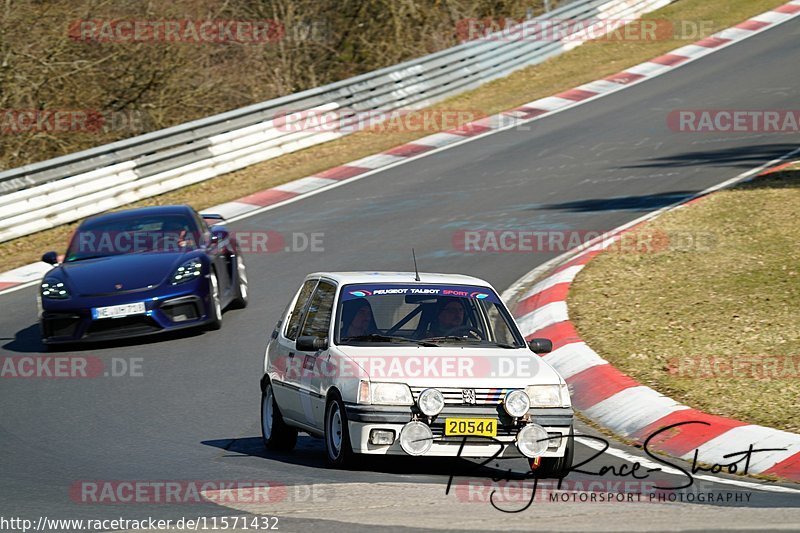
(545, 395)
(384, 393)
(54, 289)
(188, 271)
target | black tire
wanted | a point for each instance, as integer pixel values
(557, 467)
(340, 456)
(214, 302)
(274, 431)
(242, 296)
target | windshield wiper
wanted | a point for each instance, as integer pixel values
(386, 338)
(453, 338)
(85, 257)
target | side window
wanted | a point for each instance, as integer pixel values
(318, 317)
(293, 322)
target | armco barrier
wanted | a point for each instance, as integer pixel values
(44, 195)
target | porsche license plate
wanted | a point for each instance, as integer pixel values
(118, 311)
(485, 427)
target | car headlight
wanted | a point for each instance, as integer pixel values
(545, 395)
(54, 289)
(430, 402)
(188, 271)
(517, 403)
(384, 393)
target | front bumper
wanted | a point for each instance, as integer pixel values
(166, 309)
(363, 419)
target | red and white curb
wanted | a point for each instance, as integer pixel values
(282, 194)
(617, 401)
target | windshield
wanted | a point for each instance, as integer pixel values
(137, 234)
(432, 315)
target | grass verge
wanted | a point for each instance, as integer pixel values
(586, 63)
(710, 318)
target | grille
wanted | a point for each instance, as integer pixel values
(181, 311)
(61, 325)
(113, 327)
(453, 396)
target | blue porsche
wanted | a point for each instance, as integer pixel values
(140, 272)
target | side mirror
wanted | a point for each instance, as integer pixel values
(308, 343)
(540, 345)
(51, 258)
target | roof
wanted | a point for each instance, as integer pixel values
(143, 211)
(426, 278)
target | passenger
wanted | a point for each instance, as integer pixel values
(357, 319)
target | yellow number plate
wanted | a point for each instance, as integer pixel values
(486, 427)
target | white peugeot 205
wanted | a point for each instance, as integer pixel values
(412, 364)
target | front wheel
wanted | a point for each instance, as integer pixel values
(214, 302)
(337, 436)
(242, 293)
(556, 467)
(274, 431)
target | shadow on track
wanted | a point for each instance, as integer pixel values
(310, 452)
(29, 340)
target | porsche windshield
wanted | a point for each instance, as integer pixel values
(128, 235)
(431, 315)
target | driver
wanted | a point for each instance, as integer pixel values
(449, 316)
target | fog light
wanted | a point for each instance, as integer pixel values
(431, 402)
(416, 438)
(381, 437)
(517, 403)
(532, 440)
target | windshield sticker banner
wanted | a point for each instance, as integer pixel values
(351, 292)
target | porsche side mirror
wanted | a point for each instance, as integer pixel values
(51, 258)
(540, 345)
(311, 344)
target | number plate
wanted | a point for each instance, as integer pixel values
(117, 311)
(485, 427)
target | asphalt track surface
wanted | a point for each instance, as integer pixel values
(194, 413)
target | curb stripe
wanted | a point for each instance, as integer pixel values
(561, 333)
(682, 440)
(341, 172)
(598, 383)
(556, 293)
(268, 197)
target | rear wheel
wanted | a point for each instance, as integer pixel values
(337, 436)
(274, 431)
(214, 302)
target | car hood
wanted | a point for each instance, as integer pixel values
(133, 271)
(457, 367)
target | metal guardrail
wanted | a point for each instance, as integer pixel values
(44, 195)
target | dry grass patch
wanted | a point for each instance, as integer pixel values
(714, 325)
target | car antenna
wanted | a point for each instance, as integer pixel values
(416, 270)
